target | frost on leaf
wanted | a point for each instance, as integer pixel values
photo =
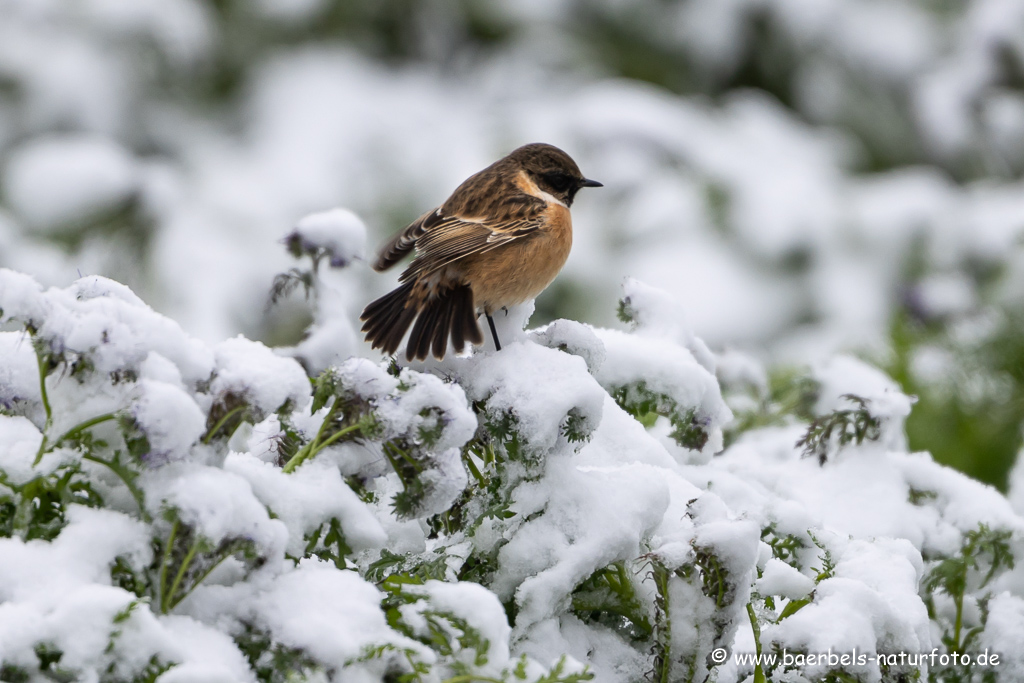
(534, 399)
(650, 377)
(417, 421)
(216, 513)
(337, 235)
(832, 432)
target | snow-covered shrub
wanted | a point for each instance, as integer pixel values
(554, 512)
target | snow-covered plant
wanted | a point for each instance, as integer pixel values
(585, 504)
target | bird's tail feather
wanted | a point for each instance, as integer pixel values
(448, 313)
(386, 319)
(463, 319)
(451, 313)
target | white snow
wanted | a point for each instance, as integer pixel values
(305, 499)
(169, 417)
(870, 606)
(781, 579)
(539, 387)
(250, 370)
(621, 496)
(19, 378)
(53, 181)
(19, 443)
(480, 609)
(220, 504)
(340, 613)
(338, 232)
(887, 184)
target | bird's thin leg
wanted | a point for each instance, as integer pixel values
(494, 333)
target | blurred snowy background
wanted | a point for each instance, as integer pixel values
(806, 176)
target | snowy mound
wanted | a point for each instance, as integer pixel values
(585, 504)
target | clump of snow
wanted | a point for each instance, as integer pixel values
(250, 370)
(665, 369)
(262, 440)
(103, 320)
(539, 388)
(479, 608)
(843, 376)
(444, 482)
(341, 616)
(1006, 614)
(19, 377)
(220, 504)
(54, 181)
(424, 402)
(870, 605)
(304, 500)
(551, 555)
(206, 654)
(326, 344)
(655, 313)
(169, 417)
(60, 592)
(365, 379)
(508, 501)
(779, 578)
(19, 444)
(572, 337)
(337, 234)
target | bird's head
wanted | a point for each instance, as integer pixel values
(552, 170)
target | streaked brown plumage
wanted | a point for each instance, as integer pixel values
(498, 241)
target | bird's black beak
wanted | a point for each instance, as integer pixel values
(590, 183)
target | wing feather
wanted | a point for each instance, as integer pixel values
(453, 239)
(404, 242)
(457, 230)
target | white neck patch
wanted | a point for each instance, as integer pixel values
(532, 189)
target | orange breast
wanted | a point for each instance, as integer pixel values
(522, 269)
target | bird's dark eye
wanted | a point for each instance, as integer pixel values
(559, 182)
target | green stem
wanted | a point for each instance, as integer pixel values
(334, 437)
(473, 469)
(468, 678)
(82, 426)
(405, 456)
(304, 452)
(164, 563)
(126, 476)
(327, 421)
(759, 676)
(74, 431)
(202, 577)
(40, 452)
(168, 598)
(491, 458)
(311, 449)
(662, 624)
(959, 600)
(42, 387)
(300, 457)
(46, 405)
(221, 422)
(391, 458)
(390, 451)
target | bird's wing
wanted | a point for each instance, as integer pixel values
(402, 243)
(450, 238)
(448, 233)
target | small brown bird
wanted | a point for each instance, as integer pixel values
(498, 241)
